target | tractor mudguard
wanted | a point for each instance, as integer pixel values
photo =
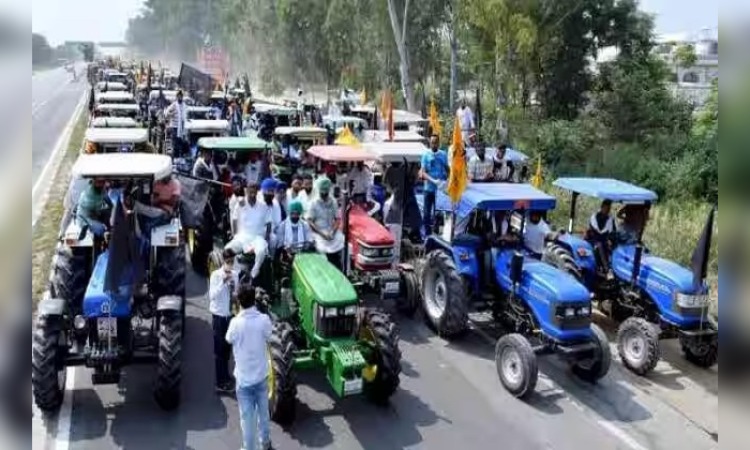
(661, 280)
(581, 250)
(546, 290)
(435, 242)
(97, 303)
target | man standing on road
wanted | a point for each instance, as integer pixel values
(177, 115)
(434, 167)
(223, 285)
(249, 334)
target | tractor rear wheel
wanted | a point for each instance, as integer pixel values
(47, 368)
(69, 277)
(638, 345)
(169, 371)
(700, 350)
(444, 295)
(410, 299)
(282, 386)
(382, 334)
(169, 277)
(516, 365)
(561, 258)
(595, 368)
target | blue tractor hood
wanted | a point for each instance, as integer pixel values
(97, 302)
(657, 273)
(554, 284)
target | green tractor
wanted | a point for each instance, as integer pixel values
(320, 324)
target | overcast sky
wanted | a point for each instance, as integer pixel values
(107, 20)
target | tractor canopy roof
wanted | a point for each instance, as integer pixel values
(123, 165)
(117, 135)
(114, 73)
(110, 86)
(302, 132)
(343, 120)
(206, 126)
(398, 136)
(397, 151)
(328, 286)
(118, 107)
(113, 96)
(367, 230)
(341, 153)
(168, 95)
(608, 189)
(275, 110)
(199, 109)
(497, 197)
(236, 144)
(113, 122)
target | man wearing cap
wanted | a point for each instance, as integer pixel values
(294, 233)
(252, 221)
(268, 197)
(324, 220)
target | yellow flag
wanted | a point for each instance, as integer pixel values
(536, 180)
(458, 176)
(363, 97)
(386, 104)
(346, 137)
(435, 119)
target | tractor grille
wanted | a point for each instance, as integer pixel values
(337, 327)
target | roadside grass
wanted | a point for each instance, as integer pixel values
(45, 234)
(672, 232)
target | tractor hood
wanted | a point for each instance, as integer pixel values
(367, 230)
(658, 274)
(97, 303)
(552, 284)
(315, 280)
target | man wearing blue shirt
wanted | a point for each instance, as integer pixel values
(434, 168)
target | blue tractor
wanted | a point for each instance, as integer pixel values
(652, 297)
(116, 293)
(473, 264)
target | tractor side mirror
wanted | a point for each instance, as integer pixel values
(516, 268)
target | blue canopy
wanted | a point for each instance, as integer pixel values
(497, 197)
(607, 189)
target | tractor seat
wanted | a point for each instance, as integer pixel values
(467, 240)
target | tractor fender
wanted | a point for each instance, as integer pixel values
(51, 307)
(436, 243)
(169, 303)
(580, 249)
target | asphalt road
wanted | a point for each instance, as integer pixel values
(450, 398)
(54, 97)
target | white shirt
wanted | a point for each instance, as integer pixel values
(177, 114)
(252, 219)
(253, 172)
(219, 297)
(301, 197)
(248, 334)
(466, 118)
(480, 170)
(362, 181)
(534, 236)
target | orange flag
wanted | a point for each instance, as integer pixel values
(458, 177)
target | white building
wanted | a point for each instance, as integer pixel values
(694, 82)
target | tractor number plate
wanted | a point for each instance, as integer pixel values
(107, 326)
(353, 387)
(392, 287)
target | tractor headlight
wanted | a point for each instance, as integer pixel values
(368, 251)
(570, 312)
(584, 311)
(350, 310)
(331, 312)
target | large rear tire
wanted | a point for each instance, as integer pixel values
(561, 258)
(595, 368)
(47, 367)
(444, 295)
(517, 365)
(170, 272)
(282, 389)
(69, 277)
(638, 345)
(380, 332)
(169, 371)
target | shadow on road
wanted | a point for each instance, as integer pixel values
(136, 420)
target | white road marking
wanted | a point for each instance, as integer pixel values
(41, 188)
(62, 434)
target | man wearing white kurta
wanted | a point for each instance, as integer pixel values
(251, 225)
(323, 218)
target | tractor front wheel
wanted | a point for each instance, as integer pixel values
(638, 345)
(169, 371)
(595, 368)
(703, 351)
(444, 295)
(517, 365)
(47, 369)
(282, 383)
(382, 335)
(69, 277)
